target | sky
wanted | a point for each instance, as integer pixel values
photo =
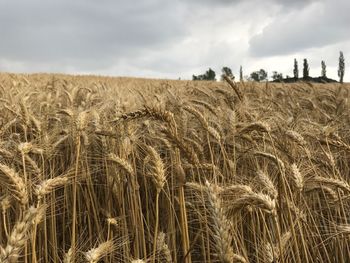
(172, 38)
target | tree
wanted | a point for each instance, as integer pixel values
(296, 70)
(226, 71)
(277, 76)
(255, 76)
(306, 69)
(263, 74)
(209, 75)
(323, 70)
(240, 73)
(194, 77)
(341, 69)
(259, 75)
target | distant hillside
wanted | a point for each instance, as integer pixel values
(309, 79)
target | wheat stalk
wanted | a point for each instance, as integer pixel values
(158, 174)
(222, 235)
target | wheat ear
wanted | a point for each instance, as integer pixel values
(95, 254)
(15, 183)
(163, 248)
(158, 174)
(19, 234)
(50, 185)
(221, 231)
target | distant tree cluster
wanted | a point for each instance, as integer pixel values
(258, 75)
(277, 76)
(262, 75)
(208, 75)
(306, 72)
(211, 75)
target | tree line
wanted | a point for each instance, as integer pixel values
(262, 74)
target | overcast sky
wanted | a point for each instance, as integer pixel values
(172, 38)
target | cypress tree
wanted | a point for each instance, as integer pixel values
(240, 73)
(296, 70)
(323, 71)
(306, 69)
(341, 69)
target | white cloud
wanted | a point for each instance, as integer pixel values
(317, 25)
(171, 39)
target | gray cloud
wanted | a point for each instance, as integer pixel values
(163, 38)
(88, 33)
(319, 25)
(284, 4)
(294, 3)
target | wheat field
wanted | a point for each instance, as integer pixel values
(98, 169)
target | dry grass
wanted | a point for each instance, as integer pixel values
(99, 169)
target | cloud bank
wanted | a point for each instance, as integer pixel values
(170, 39)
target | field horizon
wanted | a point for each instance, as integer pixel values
(119, 169)
(5, 75)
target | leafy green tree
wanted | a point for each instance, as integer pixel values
(259, 75)
(226, 71)
(323, 69)
(341, 69)
(296, 70)
(306, 69)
